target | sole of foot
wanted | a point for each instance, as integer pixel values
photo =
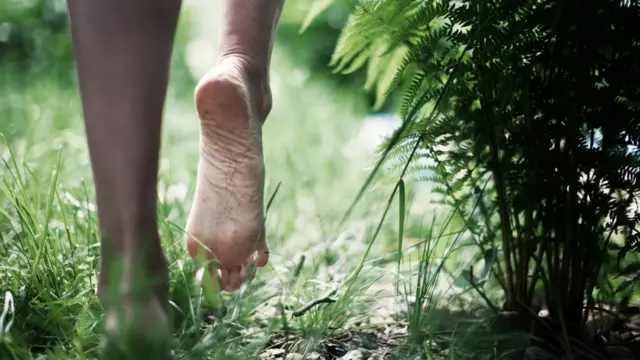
(226, 222)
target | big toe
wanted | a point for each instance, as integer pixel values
(231, 278)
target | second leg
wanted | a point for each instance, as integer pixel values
(123, 50)
(233, 100)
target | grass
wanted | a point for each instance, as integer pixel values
(49, 239)
(49, 233)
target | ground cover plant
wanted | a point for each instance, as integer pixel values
(523, 114)
(528, 119)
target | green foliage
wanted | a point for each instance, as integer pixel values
(34, 35)
(55, 313)
(35, 38)
(529, 111)
(310, 43)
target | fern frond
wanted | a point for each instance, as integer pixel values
(317, 8)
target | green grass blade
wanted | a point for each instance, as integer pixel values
(401, 220)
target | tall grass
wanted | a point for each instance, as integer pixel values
(49, 239)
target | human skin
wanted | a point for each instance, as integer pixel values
(123, 50)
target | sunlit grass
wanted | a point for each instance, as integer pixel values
(49, 232)
(49, 240)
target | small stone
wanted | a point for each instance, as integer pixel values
(619, 353)
(353, 355)
(376, 357)
(272, 354)
(536, 353)
(293, 356)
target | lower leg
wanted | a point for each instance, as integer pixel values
(248, 33)
(233, 100)
(123, 50)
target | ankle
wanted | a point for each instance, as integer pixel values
(135, 267)
(255, 67)
(256, 71)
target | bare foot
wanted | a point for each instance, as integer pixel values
(227, 217)
(137, 331)
(133, 289)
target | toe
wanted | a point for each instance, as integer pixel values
(224, 279)
(232, 278)
(209, 277)
(249, 271)
(261, 256)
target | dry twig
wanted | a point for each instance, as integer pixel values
(326, 299)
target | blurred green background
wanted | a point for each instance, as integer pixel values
(34, 38)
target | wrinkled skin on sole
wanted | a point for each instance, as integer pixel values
(226, 222)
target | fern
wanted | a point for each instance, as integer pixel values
(500, 101)
(378, 34)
